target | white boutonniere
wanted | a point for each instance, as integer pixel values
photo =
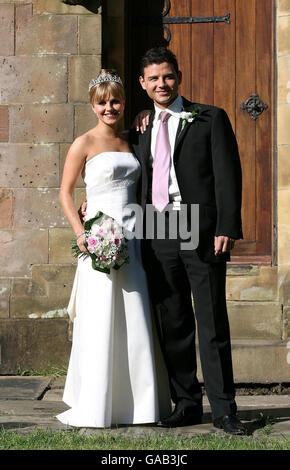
(188, 116)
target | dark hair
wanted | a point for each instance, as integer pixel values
(158, 55)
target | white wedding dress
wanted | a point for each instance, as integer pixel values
(116, 374)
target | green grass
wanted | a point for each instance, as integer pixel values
(72, 440)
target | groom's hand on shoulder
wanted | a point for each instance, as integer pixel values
(82, 212)
(141, 121)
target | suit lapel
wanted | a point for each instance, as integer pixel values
(187, 106)
(145, 151)
(146, 141)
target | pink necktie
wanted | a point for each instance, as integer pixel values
(161, 165)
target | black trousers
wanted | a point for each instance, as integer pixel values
(173, 275)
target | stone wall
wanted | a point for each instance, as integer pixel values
(49, 52)
(283, 157)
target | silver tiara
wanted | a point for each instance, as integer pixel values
(105, 78)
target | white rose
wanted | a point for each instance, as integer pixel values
(186, 115)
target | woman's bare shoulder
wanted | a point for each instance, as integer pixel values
(79, 148)
(83, 142)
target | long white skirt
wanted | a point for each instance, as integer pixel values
(116, 374)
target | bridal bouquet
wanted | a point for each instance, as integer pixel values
(105, 243)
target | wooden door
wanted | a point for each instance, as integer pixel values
(225, 51)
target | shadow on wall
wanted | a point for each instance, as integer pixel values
(144, 29)
(91, 5)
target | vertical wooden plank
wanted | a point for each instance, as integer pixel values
(245, 126)
(225, 58)
(264, 139)
(202, 53)
(180, 43)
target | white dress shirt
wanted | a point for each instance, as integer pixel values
(173, 122)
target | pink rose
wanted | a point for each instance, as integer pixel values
(92, 241)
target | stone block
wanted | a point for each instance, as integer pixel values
(283, 166)
(6, 208)
(283, 134)
(283, 247)
(79, 196)
(90, 34)
(29, 166)
(5, 290)
(33, 344)
(45, 34)
(284, 80)
(4, 124)
(38, 208)
(283, 7)
(284, 284)
(286, 323)
(283, 208)
(255, 320)
(7, 30)
(81, 70)
(20, 249)
(45, 295)
(261, 287)
(85, 119)
(259, 361)
(31, 79)
(57, 7)
(41, 123)
(283, 38)
(60, 246)
(23, 15)
(242, 270)
(56, 280)
(23, 388)
(64, 148)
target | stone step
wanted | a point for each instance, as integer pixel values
(23, 388)
(254, 361)
(255, 320)
(259, 361)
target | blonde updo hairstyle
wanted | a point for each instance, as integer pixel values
(101, 91)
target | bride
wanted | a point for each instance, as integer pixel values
(115, 374)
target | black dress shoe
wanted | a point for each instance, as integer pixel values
(230, 424)
(180, 418)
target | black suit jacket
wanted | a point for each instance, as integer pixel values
(208, 172)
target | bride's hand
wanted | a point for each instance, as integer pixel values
(141, 121)
(81, 243)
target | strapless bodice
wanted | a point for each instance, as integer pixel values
(111, 179)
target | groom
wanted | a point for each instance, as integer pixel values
(192, 161)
